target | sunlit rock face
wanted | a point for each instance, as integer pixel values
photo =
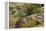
(36, 17)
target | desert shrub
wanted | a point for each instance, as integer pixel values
(23, 10)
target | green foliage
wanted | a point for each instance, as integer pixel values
(23, 10)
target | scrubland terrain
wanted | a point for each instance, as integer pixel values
(26, 15)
